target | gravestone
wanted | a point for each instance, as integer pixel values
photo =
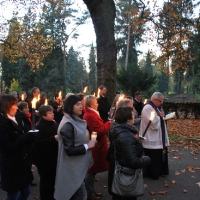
(181, 98)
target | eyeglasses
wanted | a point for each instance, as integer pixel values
(159, 100)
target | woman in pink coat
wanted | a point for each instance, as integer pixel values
(95, 123)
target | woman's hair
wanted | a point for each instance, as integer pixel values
(6, 102)
(21, 105)
(69, 104)
(33, 90)
(124, 103)
(123, 114)
(81, 96)
(44, 109)
(89, 99)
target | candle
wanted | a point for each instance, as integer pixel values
(22, 97)
(45, 102)
(94, 135)
(98, 93)
(33, 112)
(150, 120)
(59, 95)
(34, 101)
(145, 101)
(38, 99)
(85, 89)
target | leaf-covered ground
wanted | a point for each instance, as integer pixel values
(184, 132)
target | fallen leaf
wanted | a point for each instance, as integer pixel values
(167, 185)
(145, 185)
(173, 181)
(97, 180)
(185, 191)
(198, 184)
(104, 186)
(193, 176)
(195, 158)
(183, 170)
(198, 168)
(36, 197)
(153, 193)
(162, 192)
(177, 173)
(190, 168)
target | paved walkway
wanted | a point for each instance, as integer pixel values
(183, 183)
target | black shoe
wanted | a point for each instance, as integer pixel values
(33, 184)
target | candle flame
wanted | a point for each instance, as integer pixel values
(94, 94)
(22, 97)
(46, 102)
(152, 116)
(38, 99)
(121, 97)
(85, 89)
(33, 102)
(59, 95)
(98, 93)
(145, 101)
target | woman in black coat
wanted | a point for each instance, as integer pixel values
(15, 154)
(127, 146)
(46, 151)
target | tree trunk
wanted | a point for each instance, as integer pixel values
(103, 14)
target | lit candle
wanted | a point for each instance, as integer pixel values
(22, 97)
(38, 99)
(59, 95)
(94, 135)
(85, 89)
(145, 101)
(45, 102)
(34, 101)
(94, 94)
(98, 93)
(150, 120)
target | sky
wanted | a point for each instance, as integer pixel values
(86, 31)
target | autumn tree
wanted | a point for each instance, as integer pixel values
(26, 41)
(57, 19)
(129, 30)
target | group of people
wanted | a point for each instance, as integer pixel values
(66, 156)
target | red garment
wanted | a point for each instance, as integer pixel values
(29, 118)
(95, 123)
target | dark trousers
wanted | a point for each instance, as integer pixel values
(47, 181)
(157, 167)
(89, 184)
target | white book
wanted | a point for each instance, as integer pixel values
(170, 116)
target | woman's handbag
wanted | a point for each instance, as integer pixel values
(127, 182)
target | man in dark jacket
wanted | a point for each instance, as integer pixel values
(138, 104)
(104, 105)
(46, 151)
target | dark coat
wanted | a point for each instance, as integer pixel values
(57, 115)
(138, 106)
(23, 121)
(103, 108)
(15, 163)
(95, 123)
(46, 147)
(128, 150)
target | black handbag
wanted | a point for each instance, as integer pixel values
(127, 182)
